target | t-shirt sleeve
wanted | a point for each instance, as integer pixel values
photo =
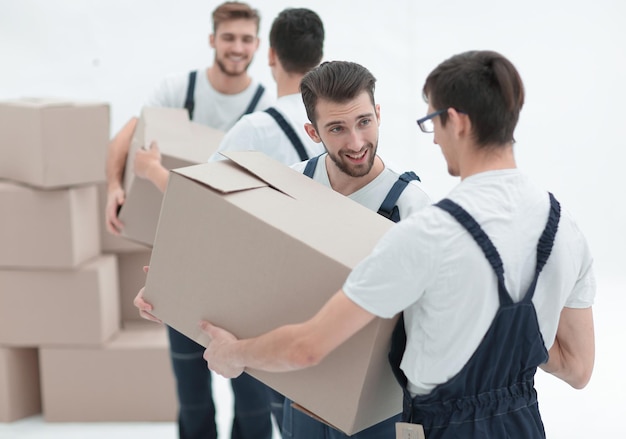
(396, 273)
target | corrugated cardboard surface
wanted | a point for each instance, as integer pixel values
(53, 143)
(250, 254)
(181, 143)
(128, 378)
(20, 395)
(48, 228)
(132, 279)
(64, 307)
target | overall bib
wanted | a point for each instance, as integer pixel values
(493, 396)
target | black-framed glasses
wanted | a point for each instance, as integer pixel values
(426, 123)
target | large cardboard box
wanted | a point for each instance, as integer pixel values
(182, 143)
(250, 244)
(52, 143)
(128, 378)
(60, 307)
(20, 394)
(48, 228)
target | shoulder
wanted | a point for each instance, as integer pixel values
(413, 197)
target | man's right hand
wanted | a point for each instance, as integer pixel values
(143, 306)
(115, 199)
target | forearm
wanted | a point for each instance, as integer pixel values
(159, 176)
(289, 347)
(282, 350)
(117, 154)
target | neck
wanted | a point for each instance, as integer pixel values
(347, 185)
(287, 83)
(489, 158)
(227, 84)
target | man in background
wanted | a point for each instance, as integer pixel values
(217, 97)
(296, 46)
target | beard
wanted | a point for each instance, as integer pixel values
(358, 170)
(231, 72)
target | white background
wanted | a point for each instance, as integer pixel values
(571, 55)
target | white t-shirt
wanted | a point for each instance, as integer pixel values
(412, 199)
(211, 108)
(429, 266)
(260, 132)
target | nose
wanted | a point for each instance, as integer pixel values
(355, 141)
(238, 45)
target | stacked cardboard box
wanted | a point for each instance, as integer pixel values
(65, 285)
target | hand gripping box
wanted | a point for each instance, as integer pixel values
(182, 143)
(250, 244)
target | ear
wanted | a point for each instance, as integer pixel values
(378, 113)
(271, 56)
(212, 41)
(460, 122)
(312, 132)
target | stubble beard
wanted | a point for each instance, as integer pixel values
(356, 171)
(231, 73)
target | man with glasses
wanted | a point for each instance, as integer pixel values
(494, 281)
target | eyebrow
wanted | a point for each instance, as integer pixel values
(339, 122)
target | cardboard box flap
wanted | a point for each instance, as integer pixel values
(274, 173)
(221, 178)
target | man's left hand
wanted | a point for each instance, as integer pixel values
(219, 352)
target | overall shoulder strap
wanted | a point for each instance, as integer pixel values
(255, 99)
(544, 246)
(189, 101)
(289, 132)
(489, 250)
(309, 169)
(388, 208)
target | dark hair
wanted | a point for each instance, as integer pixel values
(297, 36)
(336, 81)
(485, 86)
(234, 11)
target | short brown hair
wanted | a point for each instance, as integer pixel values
(335, 81)
(484, 85)
(234, 11)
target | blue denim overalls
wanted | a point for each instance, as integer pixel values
(493, 396)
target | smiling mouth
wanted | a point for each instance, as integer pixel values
(236, 58)
(358, 156)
